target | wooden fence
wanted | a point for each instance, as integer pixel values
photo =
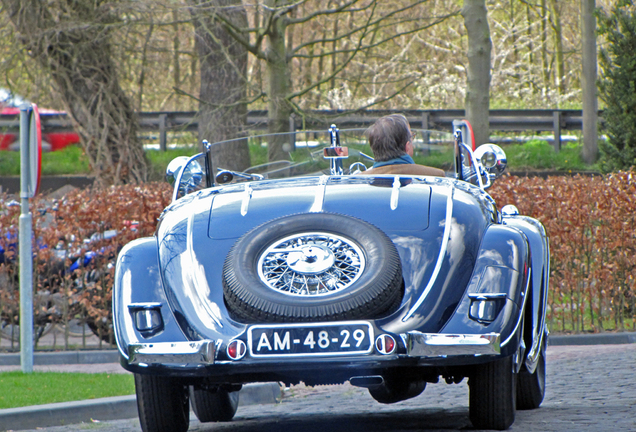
(554, 121)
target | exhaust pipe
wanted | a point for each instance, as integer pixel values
(369, 381)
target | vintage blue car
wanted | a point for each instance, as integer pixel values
(314, 269)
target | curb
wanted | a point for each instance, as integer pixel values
(112, 408)
(593, 339)
(64, 357)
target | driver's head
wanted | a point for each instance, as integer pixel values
(390, 137)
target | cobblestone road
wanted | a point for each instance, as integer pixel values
(590, 388)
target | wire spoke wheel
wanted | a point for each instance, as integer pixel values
(311, 264)
(312, 267)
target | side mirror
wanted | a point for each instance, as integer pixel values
(492, 158)
(174, 168)
(224, 177)
(186, 175)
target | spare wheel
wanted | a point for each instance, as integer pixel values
(312, 267)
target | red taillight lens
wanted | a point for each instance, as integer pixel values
(385, 344)
(236, 349)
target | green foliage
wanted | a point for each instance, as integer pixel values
(617, 86)
(68, 161)
(20, 389)
(540, 155)
(533, 155)
(159, 160)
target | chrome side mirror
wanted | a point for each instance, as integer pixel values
(186, 174)
(492, 158)
(224, 177)
(174, 168)
(193, 175)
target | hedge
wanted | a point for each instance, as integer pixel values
(590, 222)
(75, 224)
(591, 225)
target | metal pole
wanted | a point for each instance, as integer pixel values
(25, 246)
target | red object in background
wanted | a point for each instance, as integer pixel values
(37, 125)
(10, 105)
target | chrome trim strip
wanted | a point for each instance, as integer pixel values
(316, 207)
(440, 258)
(395, 192)
(247, 195)
(440, 345)
(523, 307)
(487, 296)
(199, 352)
(150, 305)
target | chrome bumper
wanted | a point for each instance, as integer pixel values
(200, 352)
(428, 345)
(443, 345)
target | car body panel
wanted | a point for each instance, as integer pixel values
(460, 259)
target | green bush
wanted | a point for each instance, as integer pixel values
(617, 86)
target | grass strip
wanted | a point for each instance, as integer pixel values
(18, 389)
(533, 155)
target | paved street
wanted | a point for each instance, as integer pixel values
(590, 388)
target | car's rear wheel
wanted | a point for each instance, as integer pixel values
(162, 404)
(216, 405)
(531, 386)
(492, 395)
(312, 267)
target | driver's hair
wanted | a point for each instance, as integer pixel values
(388, 137)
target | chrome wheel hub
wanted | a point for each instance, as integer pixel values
(311, 264)
(311, 259)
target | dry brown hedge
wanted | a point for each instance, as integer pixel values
(590, 221)
(63, 225)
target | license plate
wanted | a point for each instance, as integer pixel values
(301, 340)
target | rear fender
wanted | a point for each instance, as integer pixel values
(536, 328)
(138, 285)
(500, 280)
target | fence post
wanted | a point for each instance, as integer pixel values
(556, 125)
(426, 136)
(292, 136)
(162, 132)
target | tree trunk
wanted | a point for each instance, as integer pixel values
(588, 82)
(223, 104)
(544, 48)
(558, 44)
(279, 74)
(72, 42)
(478, 80)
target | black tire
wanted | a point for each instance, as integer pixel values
(162, 404)
(374, 292)
(531, 386)
(214, 406)
(492, 395)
